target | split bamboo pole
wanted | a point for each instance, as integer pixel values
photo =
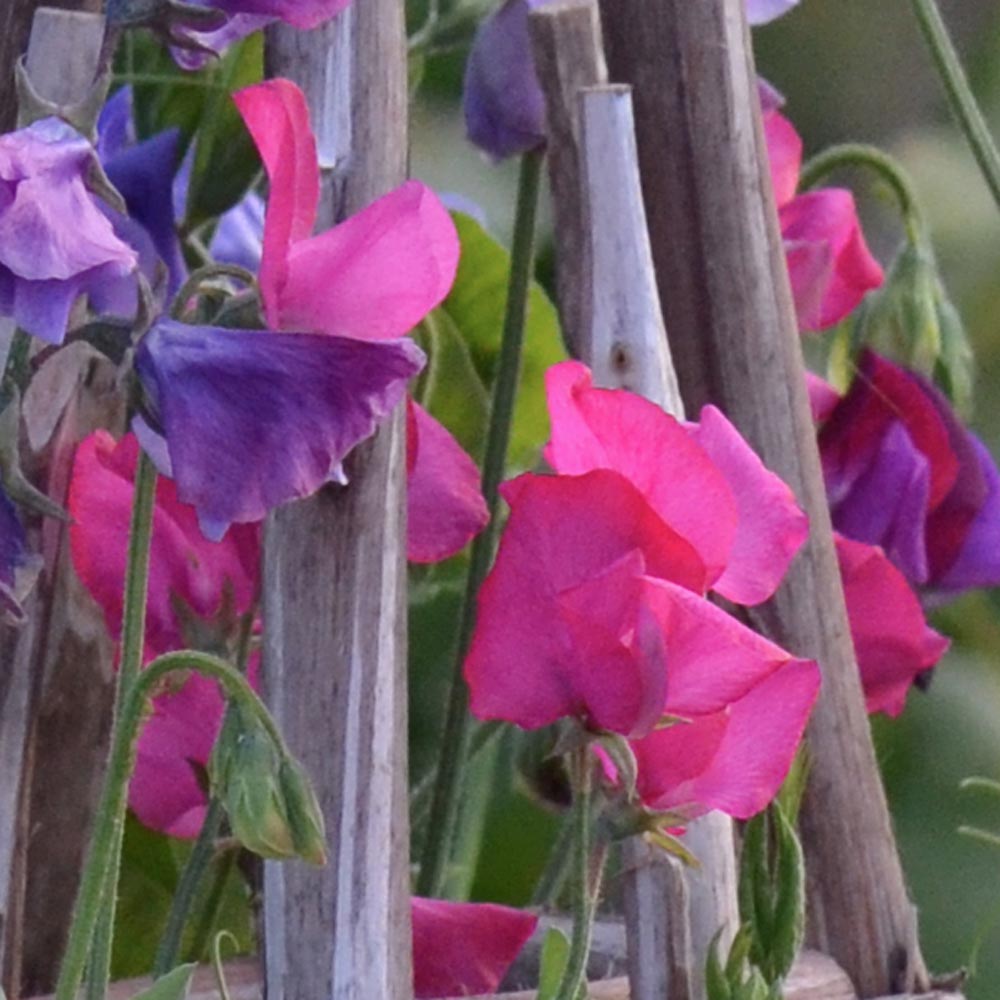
(728, 308)
(335, 588)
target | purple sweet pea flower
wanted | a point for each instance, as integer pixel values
(903, 473)
(252, 419)
(55, 242)
(143, 173)
(239, 236)
(502, 99)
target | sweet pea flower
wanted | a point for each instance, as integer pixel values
(196, 590)
(595, 607)
(342, 302)
(55, 242)
(903, 473)
(893, 643)
(461, 949)
(829, 263)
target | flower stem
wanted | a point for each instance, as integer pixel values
(856, 154)
(588, 886)
(97, 883)
(455, 744)
(94, 912)
(960, 97)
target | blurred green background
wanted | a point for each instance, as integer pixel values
(850, 70)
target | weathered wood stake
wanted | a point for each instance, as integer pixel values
(724, 286)
(335, 589)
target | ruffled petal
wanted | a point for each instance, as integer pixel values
(536, 656)
(254, 419)
(771, 527)
(445, 508)
(892, 640)
(827, 219)
(374, 276)
(734, 760)
(277, 117)
(784, 151)
(461, 949)
(605, 429)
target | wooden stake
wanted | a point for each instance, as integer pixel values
(55, 672)
(335, 590)
(724, 286)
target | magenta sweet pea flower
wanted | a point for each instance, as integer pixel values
(703, 481)
(55, 242)
(829, 263)
(893, 643)
(374, 276)
(445, 508)
(186, 571)
(902, 472)
(461, 949)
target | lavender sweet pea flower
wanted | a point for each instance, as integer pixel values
(239, 236)
(252, 419)
(55, 243)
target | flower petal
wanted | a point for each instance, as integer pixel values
(464, 948)
(770, 528)
(445, 508)
(784, 151)
(734, 760)
(892, 640)
(374, 276)
(303, 14)
(762, 11)
(255, 419)
(277, 117)
(605, 429)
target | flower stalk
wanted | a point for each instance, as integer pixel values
(961, 100)
(444, 813)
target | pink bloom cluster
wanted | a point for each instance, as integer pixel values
(596, 608)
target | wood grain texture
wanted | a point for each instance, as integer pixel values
(673, 913)
(728, 309)
(566, 38)
(15, 25)
(55, 692)
(335, 592)
(813, 977)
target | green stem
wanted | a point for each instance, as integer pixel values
(455, 743)
(94, 912)
(168, 952)
(190, 287)
(588, 885)
(856, 154)
(960, 97)
(557, 867)
(97, 882)
(214, 898)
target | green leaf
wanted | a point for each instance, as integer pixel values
(790, 903)
(716, 983)
(173, 986)
(755, 895)
(476, 308)
(225, 158)
(450, 388)
(555, 955)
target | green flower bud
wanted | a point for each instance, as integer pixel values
(304, 815)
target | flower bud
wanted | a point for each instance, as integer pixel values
(305, 817)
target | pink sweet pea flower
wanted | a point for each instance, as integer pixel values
(892, 641)
(374, 276)
(192, 584)
(829, 263)
(461, 949)
(702, 480)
